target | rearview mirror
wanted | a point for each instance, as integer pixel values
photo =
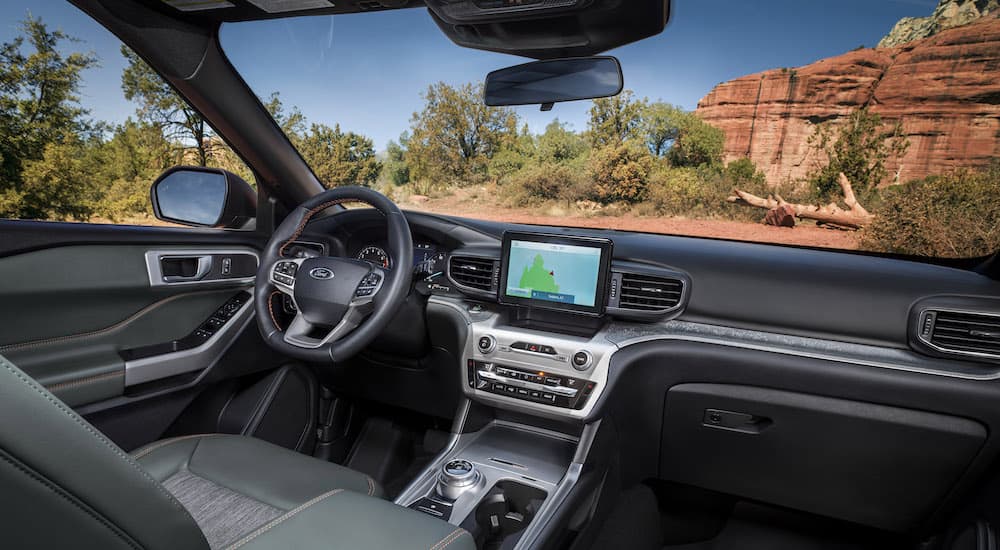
(203, 197)
(555, 80)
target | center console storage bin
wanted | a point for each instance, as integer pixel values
(877, 465)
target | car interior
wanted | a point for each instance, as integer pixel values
(294, 373)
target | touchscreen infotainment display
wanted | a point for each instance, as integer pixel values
(555, 271)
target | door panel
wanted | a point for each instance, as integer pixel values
(89, 320)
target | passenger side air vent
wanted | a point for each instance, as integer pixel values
(963, 333)
(646, 295)
(474, 273)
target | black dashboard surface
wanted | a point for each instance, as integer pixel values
(825, 294)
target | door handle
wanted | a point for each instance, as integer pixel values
(183, 269)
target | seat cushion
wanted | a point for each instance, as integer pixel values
(246, 492)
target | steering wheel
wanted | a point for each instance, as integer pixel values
(341, 304)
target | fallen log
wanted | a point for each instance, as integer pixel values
(854, 217)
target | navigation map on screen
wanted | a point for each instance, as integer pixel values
(559, 273)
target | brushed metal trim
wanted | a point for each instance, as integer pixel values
(152, 258)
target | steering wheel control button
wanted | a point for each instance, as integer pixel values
(369, 284)
(486, 344)
(284, 272)
(582, 360)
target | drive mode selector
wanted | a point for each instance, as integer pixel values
(486, 344)
(457, 476)
(582, 360)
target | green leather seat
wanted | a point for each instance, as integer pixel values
(65, 485)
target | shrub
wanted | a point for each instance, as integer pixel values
(954, 215)
(620, 173)
(547, 181)
(744, 173)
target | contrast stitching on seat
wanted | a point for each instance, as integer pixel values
(454, 535)
(65, 495)
(371, 486)
(277, 521)
(454, 539)
(160, 444)
(76, 418)
(120, 324)
(84, 380)
(313, 212)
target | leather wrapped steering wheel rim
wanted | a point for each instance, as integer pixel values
(332, 286)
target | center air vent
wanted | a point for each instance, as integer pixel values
(645, 293)
(474, 273)
(963, 333)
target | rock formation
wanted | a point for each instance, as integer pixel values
(945, 89)
(947, 15)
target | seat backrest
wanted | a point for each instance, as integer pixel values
(64, 485)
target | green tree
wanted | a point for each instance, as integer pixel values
(697, 143)
(615, 120)
(292, 122)
(59, 185)
(395, 167)
(338, 157)
(743, 173)
(858, 147)
(129, 161)
(455, 134)
(661, 125)
(161, 106)
(40, 118)
(621, 172)
(560, 144)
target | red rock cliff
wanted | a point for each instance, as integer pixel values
(945, 89)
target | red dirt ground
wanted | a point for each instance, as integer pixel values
(803, 235)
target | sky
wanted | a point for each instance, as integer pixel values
(367, 71)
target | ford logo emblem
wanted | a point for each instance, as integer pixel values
(320, 273)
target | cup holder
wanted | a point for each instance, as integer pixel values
(503, 513)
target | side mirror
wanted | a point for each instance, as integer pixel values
(555, 80)
(203, 197)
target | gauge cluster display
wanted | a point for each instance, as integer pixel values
(428, 261)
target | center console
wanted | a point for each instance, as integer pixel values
(540, 352)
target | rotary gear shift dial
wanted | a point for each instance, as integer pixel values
(456, 477)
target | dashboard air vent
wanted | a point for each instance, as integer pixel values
(474, 273)
(649, 293)
(962, 332)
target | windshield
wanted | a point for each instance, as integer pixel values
(859, 125)
(856, 125)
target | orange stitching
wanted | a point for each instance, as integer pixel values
(84, 380)
(453, 540)
(280, 519)
(160, 444)
(313, 212)
(270, 309)
(120, 324)
(448, 539)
